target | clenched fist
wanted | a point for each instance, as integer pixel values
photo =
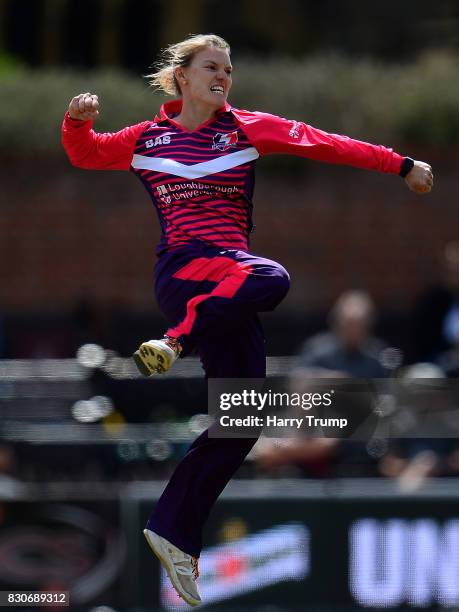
(420, 178)
(84, 106)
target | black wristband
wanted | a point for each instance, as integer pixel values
(406, 166)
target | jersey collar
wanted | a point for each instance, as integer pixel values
(175, 106)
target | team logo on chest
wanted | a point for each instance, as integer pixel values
(222, 141)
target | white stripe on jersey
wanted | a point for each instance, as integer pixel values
(218, 164)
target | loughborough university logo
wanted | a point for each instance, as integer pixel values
(222, 141)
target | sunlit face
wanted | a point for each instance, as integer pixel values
(207, 80)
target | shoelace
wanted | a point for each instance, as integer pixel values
(174, 344)
(195, 566)
(181, 557)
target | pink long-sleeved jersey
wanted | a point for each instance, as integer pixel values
(201, 182)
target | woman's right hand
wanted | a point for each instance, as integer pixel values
(84, 106)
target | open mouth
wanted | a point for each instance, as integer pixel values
(217, 89)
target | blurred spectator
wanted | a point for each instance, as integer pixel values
(289, 457)
(411, 460)
(349, 348)
(436, 312)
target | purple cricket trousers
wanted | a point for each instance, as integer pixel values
(212, 296)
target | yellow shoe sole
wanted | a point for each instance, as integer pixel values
(151, 359)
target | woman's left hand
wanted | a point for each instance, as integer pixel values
(420, 178)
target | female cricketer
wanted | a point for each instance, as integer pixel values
(196, 160)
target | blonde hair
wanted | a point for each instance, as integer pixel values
(181, 54)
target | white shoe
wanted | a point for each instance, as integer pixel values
(181, 568)
(155, 356)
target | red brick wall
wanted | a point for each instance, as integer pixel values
(67, 232)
